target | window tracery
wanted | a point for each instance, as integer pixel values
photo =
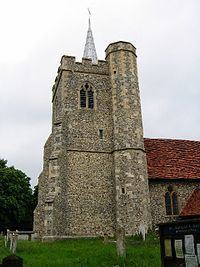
(87, 96)
(171, 202)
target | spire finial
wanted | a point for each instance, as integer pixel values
(90, 51)
(89, 18)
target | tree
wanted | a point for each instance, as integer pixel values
(16, 199)
(35, 196)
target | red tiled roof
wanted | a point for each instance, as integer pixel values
(192, 207)
(172, 159)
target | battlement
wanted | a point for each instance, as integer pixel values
(120, 46)
(69, 63)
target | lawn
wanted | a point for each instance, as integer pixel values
(86, 252)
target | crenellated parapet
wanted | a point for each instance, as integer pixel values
(69, 63)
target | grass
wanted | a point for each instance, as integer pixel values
(86, 253)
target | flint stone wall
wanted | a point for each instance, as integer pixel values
(157, 198)
(132, 191)
(80, 188)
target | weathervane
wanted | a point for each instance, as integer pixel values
(89, 16)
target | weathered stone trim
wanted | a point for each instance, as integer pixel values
(54, 89)
(88, 72)
(120, 42)
(117, 50)
(106, 152)
(52, 158)
(57, 123)
(129, 148)
(120, 46)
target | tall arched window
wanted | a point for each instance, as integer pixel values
(168, 205)
(175, 203)
(171, 202)
(90, 99)
(83, 98)
(87, 96)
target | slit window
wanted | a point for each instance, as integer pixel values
(101, 133)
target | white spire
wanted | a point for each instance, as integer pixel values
(90, 50)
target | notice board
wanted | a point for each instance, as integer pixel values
(180, 243)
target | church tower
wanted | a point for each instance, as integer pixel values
(130, 168)
(94, 176)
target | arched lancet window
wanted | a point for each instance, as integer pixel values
(83, 98)
(86, 96)
(171, 202)
(90, 99)
(175, 204)
(168, 203)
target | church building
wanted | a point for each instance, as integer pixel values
(99, 171)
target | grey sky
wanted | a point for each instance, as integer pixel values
(35, 34)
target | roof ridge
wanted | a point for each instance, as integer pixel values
(170, 139)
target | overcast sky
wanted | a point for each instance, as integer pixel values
(36, 33)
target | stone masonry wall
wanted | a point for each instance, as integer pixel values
(132, 192)
(94, 176)
(39, 213)
(157, 198)
(89, 194)
(78, 192)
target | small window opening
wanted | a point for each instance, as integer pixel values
(115, 72)
(83, 98)
(171, 202)
(90, 99)
(86, 96)
(101, 133)
(168, 204)
(123, 190)
(175, 204)
(49, 204)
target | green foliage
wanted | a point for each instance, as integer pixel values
(35, 196)
(3, 163)
(16, 200)
(122, 262)
(85, 253)
(151, 238)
